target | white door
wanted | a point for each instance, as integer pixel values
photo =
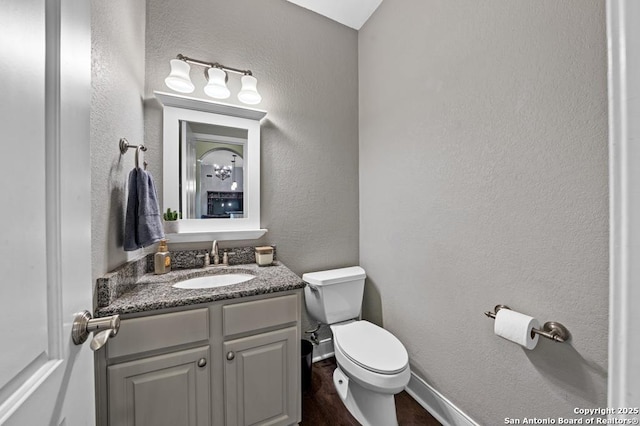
(624, 183)
(45, 240)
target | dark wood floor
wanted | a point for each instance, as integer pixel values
(321, 404)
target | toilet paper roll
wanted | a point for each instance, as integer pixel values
(516, 327)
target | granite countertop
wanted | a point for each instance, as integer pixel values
(151, 292)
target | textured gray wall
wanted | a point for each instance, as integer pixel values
(495, 115)
(117, 79)
(307, 73)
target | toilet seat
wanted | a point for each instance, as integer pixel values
(371, 347)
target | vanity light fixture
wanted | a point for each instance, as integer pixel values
(217, 77)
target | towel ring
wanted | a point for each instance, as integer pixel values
(124, 147)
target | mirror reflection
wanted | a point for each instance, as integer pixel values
(213, 173)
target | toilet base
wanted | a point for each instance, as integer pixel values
(368, 407)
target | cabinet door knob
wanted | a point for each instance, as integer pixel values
(230, 355)
(202, 362)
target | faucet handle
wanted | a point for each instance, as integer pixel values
(205, 257)
(225, 257)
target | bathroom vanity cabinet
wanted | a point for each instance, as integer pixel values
(232, 362)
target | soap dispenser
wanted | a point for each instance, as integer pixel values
(162, 259)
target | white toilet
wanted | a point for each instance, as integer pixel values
(373, 365)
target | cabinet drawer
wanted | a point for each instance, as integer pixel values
(259, 314)
(154, 332)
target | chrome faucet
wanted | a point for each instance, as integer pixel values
(214, 252)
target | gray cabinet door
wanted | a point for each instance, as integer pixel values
(164, 390)
(262, 379)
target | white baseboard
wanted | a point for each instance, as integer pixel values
(436, 404)
(323, 350)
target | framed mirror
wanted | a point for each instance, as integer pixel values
(211, 168)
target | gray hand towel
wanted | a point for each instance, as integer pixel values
(150, 229)
(143, 224)
(131, 216)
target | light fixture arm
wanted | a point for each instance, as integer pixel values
(212, 65)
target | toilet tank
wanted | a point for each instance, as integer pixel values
(334, 295)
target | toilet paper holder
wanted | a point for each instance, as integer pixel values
(551, 330)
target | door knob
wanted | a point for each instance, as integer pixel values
(102, 329)
(230, 355)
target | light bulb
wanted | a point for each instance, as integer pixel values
(179, 79)
(217, 86)
(249, 92)
(234, 185)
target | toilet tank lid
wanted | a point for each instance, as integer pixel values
(334, 276)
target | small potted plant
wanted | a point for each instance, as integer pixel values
(171, 222)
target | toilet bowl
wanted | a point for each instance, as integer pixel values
(373, 365)
(371, 356)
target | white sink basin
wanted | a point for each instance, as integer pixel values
(212, 281)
